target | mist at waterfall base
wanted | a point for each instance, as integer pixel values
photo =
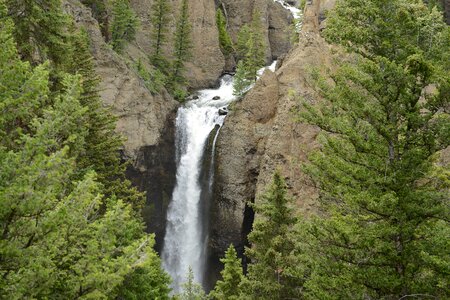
(198, 122)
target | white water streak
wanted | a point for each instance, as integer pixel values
(184, 242)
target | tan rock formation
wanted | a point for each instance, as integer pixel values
(260, 135)
(276, 20)
(142, 116)
(207, 62)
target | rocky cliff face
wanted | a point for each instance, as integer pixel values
(260, 135)
(207, 62)
(145, 120)
(276, 20)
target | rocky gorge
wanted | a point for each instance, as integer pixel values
(260, 134)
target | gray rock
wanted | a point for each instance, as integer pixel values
(223, 111)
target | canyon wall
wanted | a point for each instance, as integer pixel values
(261, 135)
(145, 120)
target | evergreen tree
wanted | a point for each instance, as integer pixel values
(103, 143)
(255, 55)
(241, 83)
(153, 79)
(383, 224)
(39, 29)
(124, 24)
(191, 289)
(271, 271)
(160, 20)
(60, 237)
(147, 281)
(242, 39)
(183, 44)
(251, 51)
(232, 275)
(226, 45)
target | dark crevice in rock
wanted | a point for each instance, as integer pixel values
(155, 173)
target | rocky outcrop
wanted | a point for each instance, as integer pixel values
(260, 135)
(207, 62)
(275, 18)
(145, 120)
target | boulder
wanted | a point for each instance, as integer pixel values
(223, 111)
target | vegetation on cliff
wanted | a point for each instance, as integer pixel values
(251, 52)
(70, 222)
(382, 225)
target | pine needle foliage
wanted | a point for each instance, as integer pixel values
(384, 201)
(232, 276)
(272, 240)
(124, 24)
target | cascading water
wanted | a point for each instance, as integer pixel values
(186, 237)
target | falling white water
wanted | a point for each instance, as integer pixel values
(296, 13)
(185, 242)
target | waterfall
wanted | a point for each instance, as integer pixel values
(185, 239)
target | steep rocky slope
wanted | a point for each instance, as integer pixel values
(275, 18)
(260, 136)
(208, 62)
(145, 120)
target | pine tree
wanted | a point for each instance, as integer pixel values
(39, 29)
(183, 44)
(226, 45)
(160, 20)
(270, 273)
(103, 143)
(241, 83)
(60, 237)
(147, 281)
(255, 56)
(242, 39)
(251, 52)
(383, 200)
(191, 289)
(232, 275)
(124, 24)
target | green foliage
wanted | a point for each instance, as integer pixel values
(191, 289)
(255, 56)
(241, 83)
(159, 19)
(226, 45)
(251, 52)
(232, 275)
(147, 281)
(154, 79)
(243, 36)
(271, 273)
(124, 24)
(23, 90)
(39, 29)
(65, 232)
(183, 45)
(103, 143)
(383, 200)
